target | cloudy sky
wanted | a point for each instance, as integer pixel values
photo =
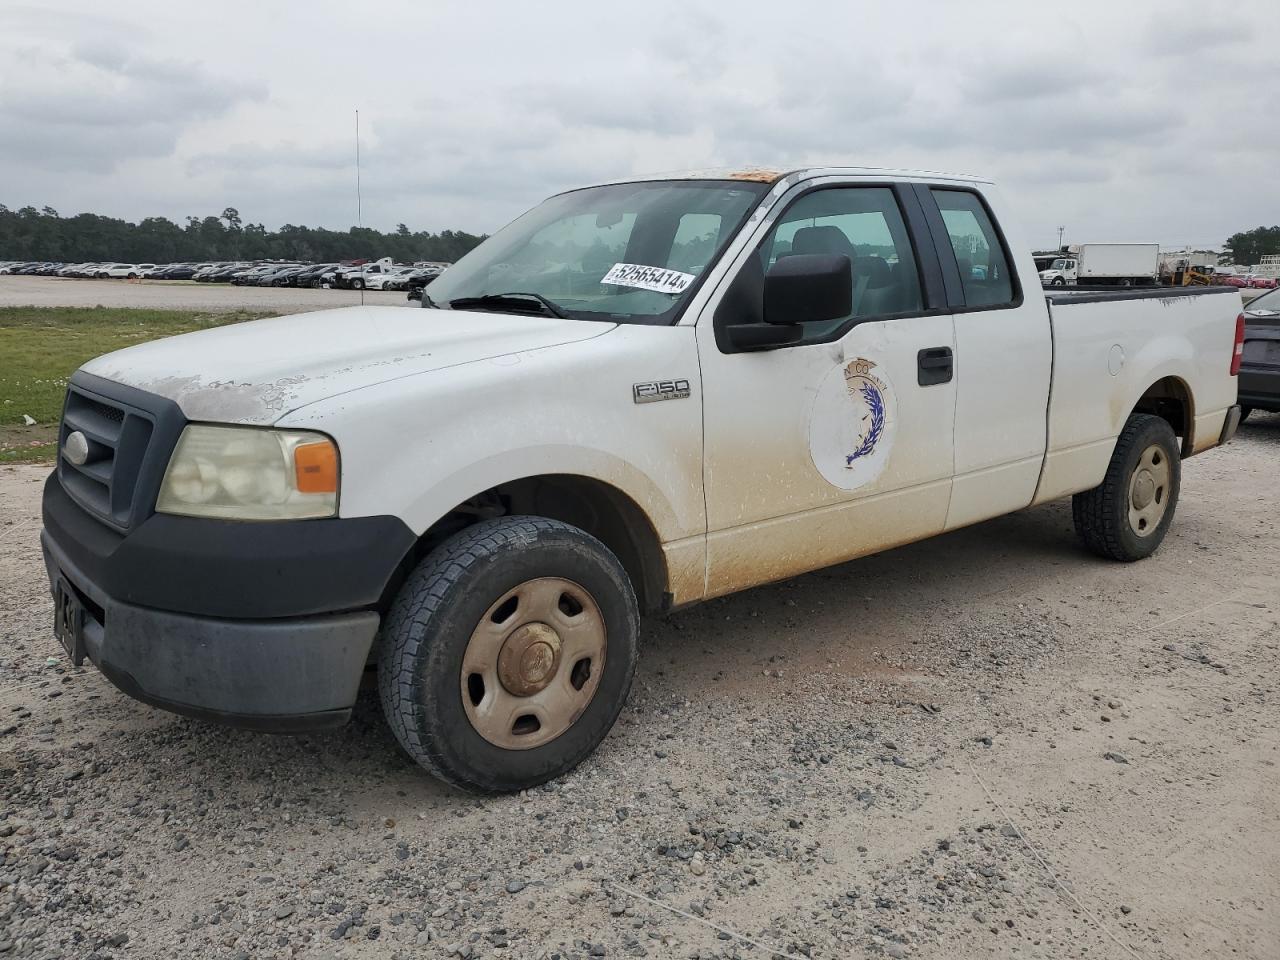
(1118, 120)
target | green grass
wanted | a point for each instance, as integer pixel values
(40, 347)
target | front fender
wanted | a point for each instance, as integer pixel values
(449, 491)
(418, 446)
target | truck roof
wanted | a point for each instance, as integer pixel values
(775, 174)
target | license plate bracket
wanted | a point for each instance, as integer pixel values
(68, 621)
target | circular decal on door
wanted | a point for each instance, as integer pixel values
(851, 430)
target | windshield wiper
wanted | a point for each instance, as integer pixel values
(514, 299)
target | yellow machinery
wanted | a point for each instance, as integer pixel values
(1184, 273)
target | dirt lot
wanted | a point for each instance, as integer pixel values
(986, 745)
(180, 295)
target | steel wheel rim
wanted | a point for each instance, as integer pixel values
(533, 663)
(1149, 491)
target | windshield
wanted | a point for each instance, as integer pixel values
(1060, 265)
(1268, 303)
(629, 252)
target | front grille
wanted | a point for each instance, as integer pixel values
(118, 435)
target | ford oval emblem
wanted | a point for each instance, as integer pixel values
(76, 448)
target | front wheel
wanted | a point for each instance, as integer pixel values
(1127, 515)
(1059, 282)
(508, 653)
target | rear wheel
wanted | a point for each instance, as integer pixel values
(1244, 413)
(1127, 515)
(508, 653)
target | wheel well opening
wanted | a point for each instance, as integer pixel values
(1170, 400)
(603, 511)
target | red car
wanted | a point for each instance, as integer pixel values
(1262, 283)
(1227, 280)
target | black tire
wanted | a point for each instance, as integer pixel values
(1244, 413)
(431, 622)
(357, 284)
(1059, 282)
(1101, 515)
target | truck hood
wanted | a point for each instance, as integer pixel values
(256, 372)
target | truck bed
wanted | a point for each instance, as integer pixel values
(1111, 346)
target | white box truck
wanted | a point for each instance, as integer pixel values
(1105, 264)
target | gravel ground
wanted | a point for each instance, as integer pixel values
(986, 745)
(181, 295)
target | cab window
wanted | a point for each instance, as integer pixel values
(865, 225)
(984, 266)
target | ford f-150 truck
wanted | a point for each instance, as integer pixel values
(635, 397)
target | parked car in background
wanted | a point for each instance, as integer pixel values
(395, 279)
(250, 276)
(128, 271)
(420, 279)
(357, 277)
(174, 271)
(276, 275)
(310, 277)
(220, 272)
(1262, 283)
(1229, 280)
(1260, 358)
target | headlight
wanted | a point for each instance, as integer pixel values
(246, 473)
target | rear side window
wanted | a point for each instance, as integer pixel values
(984, 265)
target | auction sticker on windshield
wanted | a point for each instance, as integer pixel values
(648, 278)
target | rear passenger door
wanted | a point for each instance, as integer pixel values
(841, 444)
(1004, 355)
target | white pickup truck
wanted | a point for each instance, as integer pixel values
(637, 396)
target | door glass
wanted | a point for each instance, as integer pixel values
(864, 224)
(984, 268)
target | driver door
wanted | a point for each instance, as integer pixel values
(841, 444)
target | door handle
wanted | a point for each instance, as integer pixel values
(934, 365)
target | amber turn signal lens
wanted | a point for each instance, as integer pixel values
(316, 467)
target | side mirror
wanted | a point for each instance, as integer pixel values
(808, 286)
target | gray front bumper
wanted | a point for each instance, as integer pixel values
(286, 675)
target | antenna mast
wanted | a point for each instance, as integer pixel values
(359, 203)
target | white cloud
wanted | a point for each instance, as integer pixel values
(1117, 120)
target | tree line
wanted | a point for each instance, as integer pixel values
(1250, 246)
(31, 234)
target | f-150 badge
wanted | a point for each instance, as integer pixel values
(851, 429)
(660, 390)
